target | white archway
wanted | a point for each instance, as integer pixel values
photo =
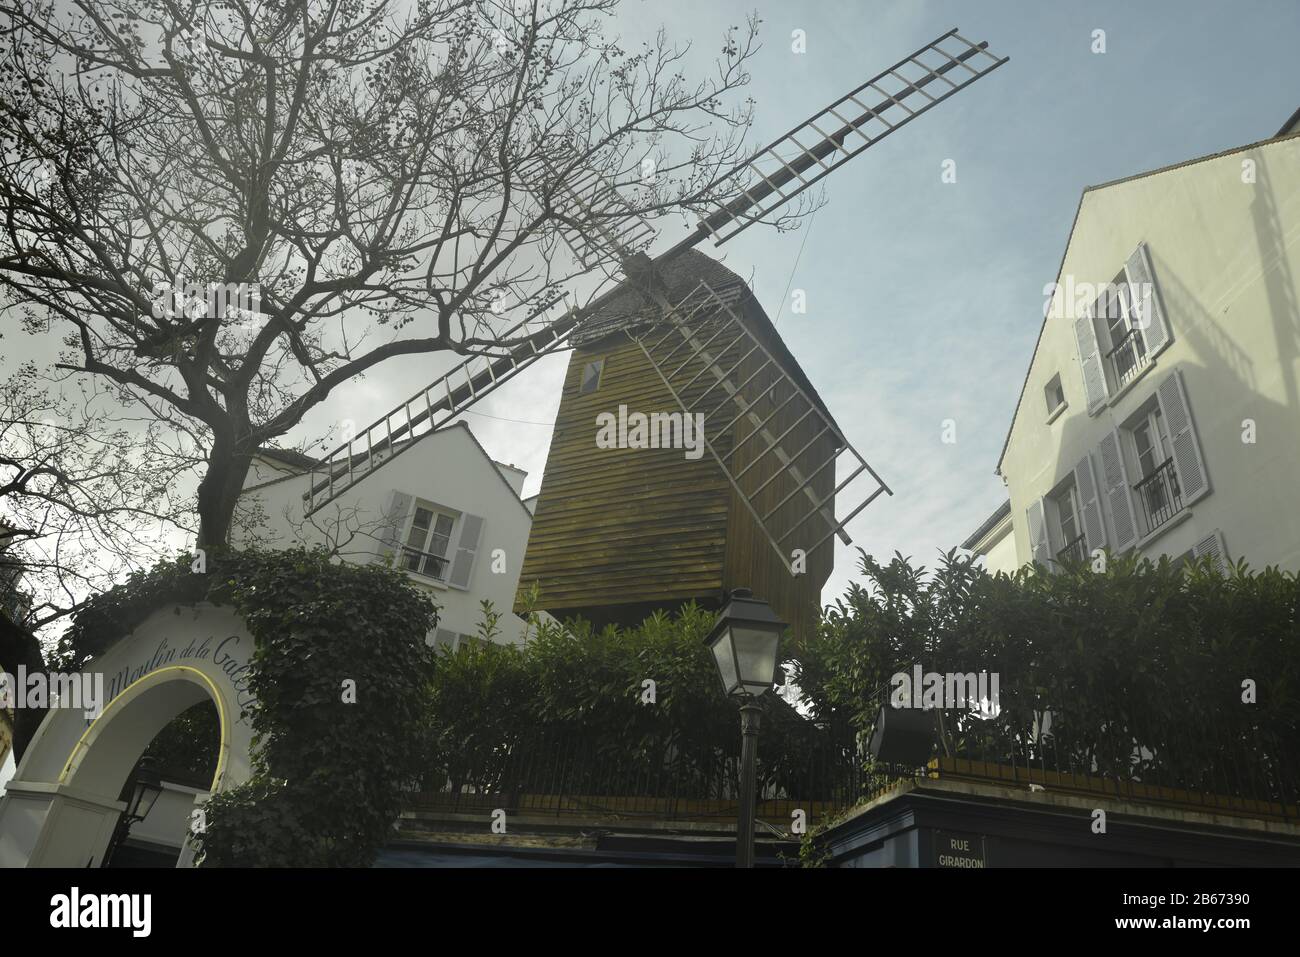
(61, 807)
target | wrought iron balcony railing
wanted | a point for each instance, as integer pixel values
(1160, 495)
(1075, 550)
(1127, 357)
(424, 563)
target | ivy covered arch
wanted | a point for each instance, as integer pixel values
(329, 695)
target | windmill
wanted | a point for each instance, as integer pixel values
(777, 460)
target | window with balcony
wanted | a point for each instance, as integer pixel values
(1120, 332)
(1152, 468)
(1070, 523)
(428, 541)
(1158, 492)
(1066, 524)
(1127, 352)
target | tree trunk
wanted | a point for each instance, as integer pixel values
(219, 491)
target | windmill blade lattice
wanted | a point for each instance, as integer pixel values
(892, 98)
(433, 407)
(600, 227)
(700, 355)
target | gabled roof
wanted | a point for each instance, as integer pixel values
(304, 463)
(681, 275)
(1070, 238)
(290, 457)
(1001, 512)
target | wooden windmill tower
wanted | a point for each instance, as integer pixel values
(625, 530)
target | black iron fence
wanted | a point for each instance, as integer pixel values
(1181, 749)
(559, 773)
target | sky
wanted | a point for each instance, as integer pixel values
(924, 297)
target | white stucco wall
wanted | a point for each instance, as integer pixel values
(1226, 262)
(1001, 554)
(447, 469)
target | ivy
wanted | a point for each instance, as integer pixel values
(329, 770)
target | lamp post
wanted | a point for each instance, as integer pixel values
(145, 787)
(744, 642)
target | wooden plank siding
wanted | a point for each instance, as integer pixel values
(622, 526)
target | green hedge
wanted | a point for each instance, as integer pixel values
(1142, 666)
(584, 689)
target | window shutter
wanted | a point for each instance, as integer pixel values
(471, 528)
(1094, 377)
(1114, 482)
(1085, 483)
(1177, 414)
(1213, 546)
(1151, 313)
(394, 520)
(1038, 533)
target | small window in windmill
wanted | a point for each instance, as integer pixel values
(591, 376)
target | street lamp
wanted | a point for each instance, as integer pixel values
(145, 786)
(147, 790)
(744, 642)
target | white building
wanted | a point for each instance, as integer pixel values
(1161, 408)
(443, 510)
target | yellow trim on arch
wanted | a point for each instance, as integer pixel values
(223, 747)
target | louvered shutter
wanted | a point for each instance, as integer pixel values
(1037, 525)
(1085, 483)
(1212, 545)
(1094, 377)
(1177, 413)
(471, 528)
(394, 520)
(1146, 299)
(1115, 487)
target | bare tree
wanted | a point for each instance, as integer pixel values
(85, 494)
(386, 177)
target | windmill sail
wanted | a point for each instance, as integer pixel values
(892, 98)
(431, 408)
(778, 446)
(601, 227)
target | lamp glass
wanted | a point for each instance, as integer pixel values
(756, 648)
(724, 655)
(148, 788)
